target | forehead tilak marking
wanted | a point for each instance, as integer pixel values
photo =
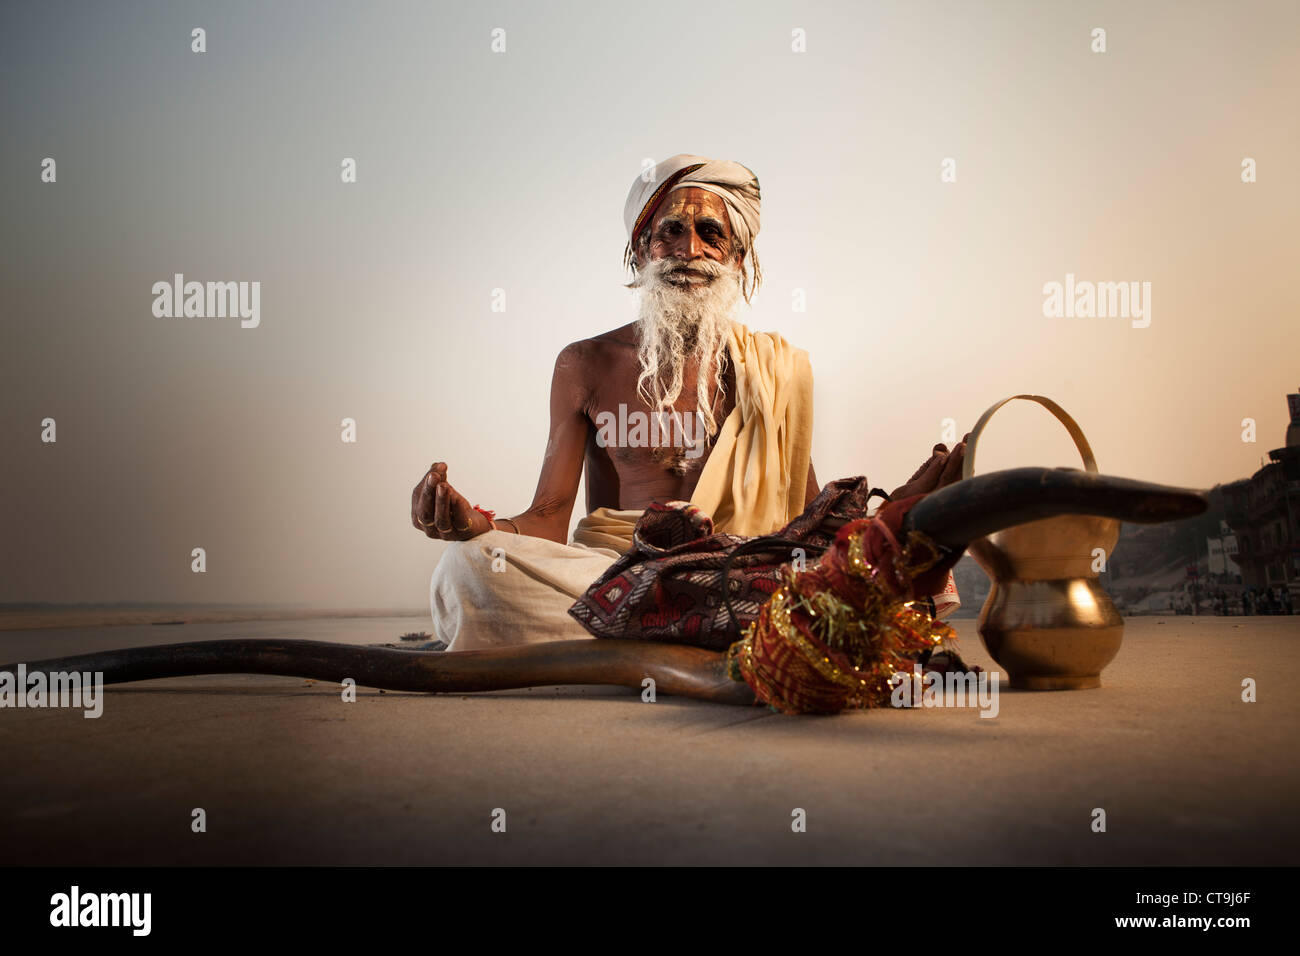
(677, 207)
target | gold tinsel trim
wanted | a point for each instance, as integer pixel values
(856, 635)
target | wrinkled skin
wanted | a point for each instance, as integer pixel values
(599, 374)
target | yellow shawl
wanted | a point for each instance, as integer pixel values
(756, 477)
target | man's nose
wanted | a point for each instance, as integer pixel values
(690, 245)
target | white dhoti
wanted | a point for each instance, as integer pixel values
(503, 589)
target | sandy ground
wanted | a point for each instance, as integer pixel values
(290, 774)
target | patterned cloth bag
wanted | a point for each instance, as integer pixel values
(669, 585)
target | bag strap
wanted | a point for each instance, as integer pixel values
(771, 542)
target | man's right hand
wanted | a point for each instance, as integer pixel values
(941, 469)
(442, 512)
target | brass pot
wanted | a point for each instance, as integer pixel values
(1046, 620)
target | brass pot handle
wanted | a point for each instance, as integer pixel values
(1081, 443)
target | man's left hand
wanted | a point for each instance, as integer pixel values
(941, 469)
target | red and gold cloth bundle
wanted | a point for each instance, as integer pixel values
(830, 637)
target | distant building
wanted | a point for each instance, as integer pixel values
(1264, 511)
(1222, 549)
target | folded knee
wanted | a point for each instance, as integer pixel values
(463, 561)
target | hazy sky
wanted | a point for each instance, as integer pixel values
(479, 171)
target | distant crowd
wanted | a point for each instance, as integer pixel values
(1276, 600)
(1250, 601)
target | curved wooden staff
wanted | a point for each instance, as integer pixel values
(676, 668)
(952, 517)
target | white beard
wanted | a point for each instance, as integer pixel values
(680, 320)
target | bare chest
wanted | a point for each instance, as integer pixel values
(646, 455)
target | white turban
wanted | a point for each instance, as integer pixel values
(737, 186)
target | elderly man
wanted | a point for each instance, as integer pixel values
(684, 404)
